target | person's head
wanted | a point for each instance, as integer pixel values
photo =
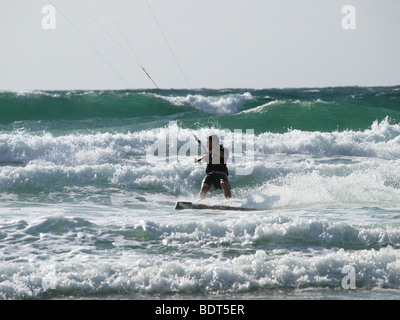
(213, 142)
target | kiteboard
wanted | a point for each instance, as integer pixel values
(180, 205)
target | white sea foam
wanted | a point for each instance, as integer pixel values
(263, 107)
(73, 256)
(290, 169)
(226, 104)
(382, 140)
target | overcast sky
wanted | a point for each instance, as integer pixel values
(218, 44)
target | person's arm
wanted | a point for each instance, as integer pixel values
(205, 157)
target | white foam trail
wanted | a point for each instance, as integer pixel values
(70, 149)
(263, 107)
(292, 169)
(71, 256)
(227, 104)
(381, 140)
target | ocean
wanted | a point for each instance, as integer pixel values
(89, 182)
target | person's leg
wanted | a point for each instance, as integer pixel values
(204, 190)
(206, 185)
(226, 188)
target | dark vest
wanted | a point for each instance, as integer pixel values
(221, 166)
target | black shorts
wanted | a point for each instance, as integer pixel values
(213, 180)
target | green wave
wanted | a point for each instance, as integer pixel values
(79, 105)
(269, 110)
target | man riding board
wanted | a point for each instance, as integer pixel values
(216, 170)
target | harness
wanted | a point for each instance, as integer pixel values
(217, 167)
